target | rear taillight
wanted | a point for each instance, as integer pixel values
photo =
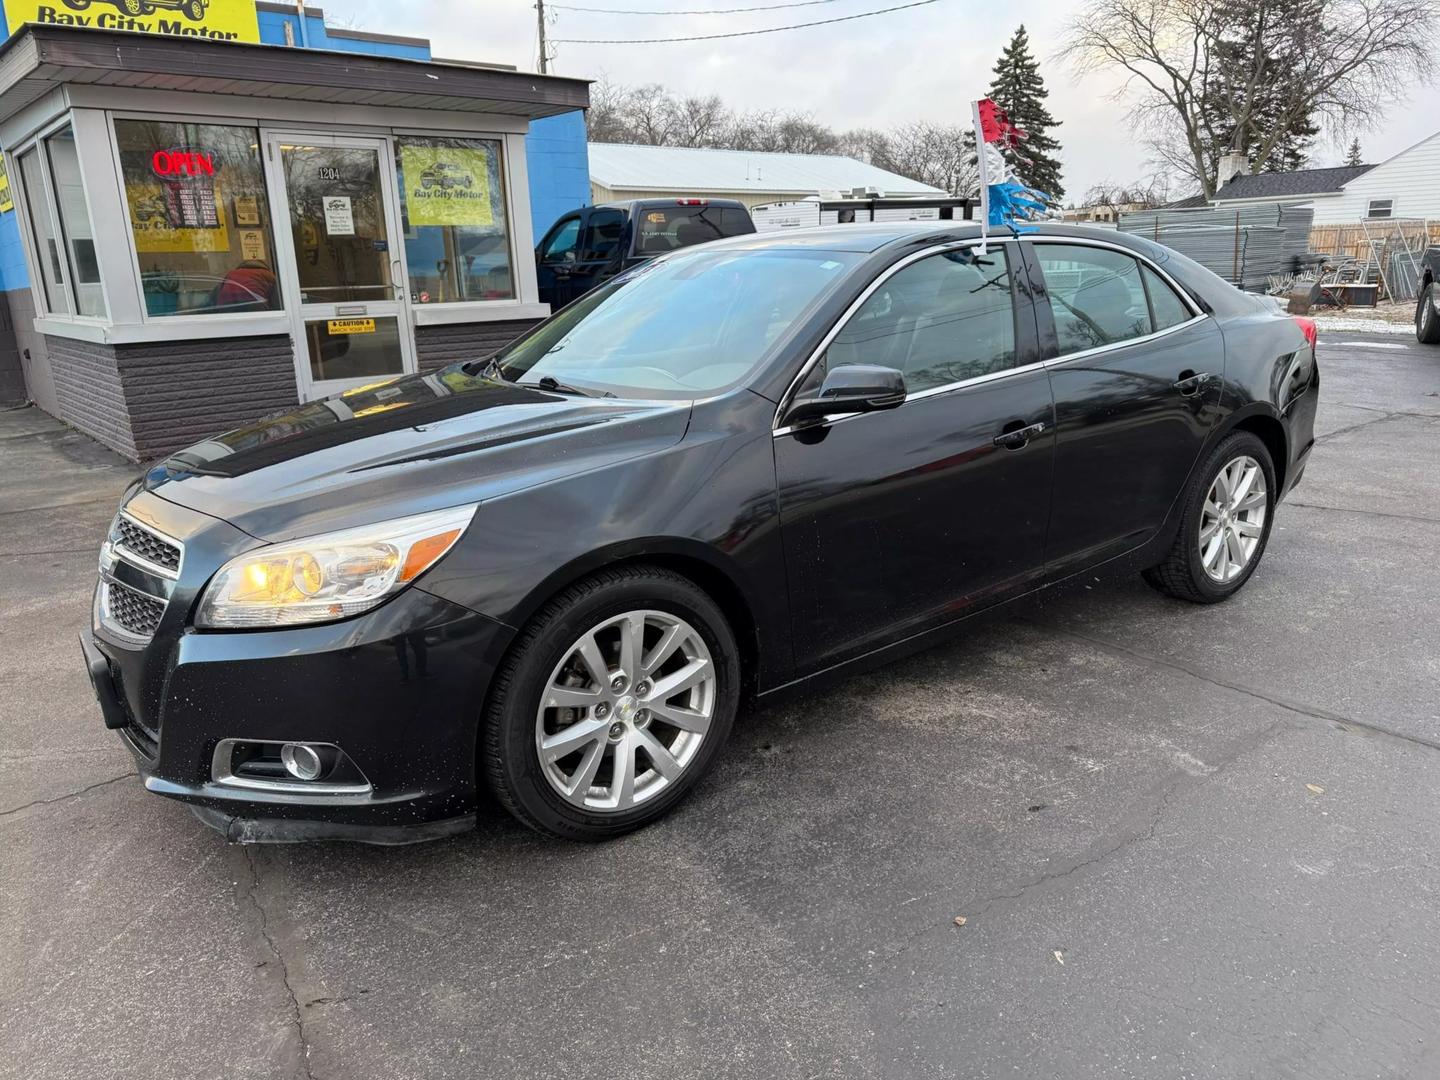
(1309, 328)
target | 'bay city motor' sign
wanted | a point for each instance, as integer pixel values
(216, 20)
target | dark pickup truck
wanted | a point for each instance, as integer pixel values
(595, 243)
(1427, 309)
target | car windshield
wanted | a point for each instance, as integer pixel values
(693, 323)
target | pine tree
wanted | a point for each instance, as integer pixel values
(1020, 91)
(1353, 157)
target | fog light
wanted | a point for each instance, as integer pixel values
(301, 761)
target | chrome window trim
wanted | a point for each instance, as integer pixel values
(136, 559)
(786, 398)
(221, 774)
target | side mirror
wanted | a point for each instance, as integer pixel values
(853, 388)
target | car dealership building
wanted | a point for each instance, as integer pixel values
(213, 217)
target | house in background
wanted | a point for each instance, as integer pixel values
(620, 171)
(1405, 186)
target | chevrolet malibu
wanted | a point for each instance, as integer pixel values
(558, 573)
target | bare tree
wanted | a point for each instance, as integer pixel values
(1340, 61)
(697, 121)
(1137, 195)
(940, 155)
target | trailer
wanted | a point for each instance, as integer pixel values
(814, 211)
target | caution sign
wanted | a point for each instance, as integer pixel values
(7, 203)
(350, 326)
(214, 20)
(447, 185)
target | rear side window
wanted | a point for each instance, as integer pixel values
(1167, 308)
(666, 228)
(602, 235)
(944, 319)
(1096, 296)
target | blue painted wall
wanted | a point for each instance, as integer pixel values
(557, 163)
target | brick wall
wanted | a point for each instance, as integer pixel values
(436, 346)
(145, 401)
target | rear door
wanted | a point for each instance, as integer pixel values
(901, 520)
(1137, 373)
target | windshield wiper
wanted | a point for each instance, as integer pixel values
(554, 385)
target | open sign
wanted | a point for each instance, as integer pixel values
(182, 162)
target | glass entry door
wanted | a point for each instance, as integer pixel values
(338, 238)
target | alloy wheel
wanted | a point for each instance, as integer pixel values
(625, 710)
(1232, 521)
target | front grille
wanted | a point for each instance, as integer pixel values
(133, 611)
(146, 544)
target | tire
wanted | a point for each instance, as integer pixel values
(546, 664)
(132, 7)
(1184, 573)
(1427, 316)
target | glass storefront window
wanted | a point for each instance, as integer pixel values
(88, 297)
(42, 230)
(200, 217)
(452, 203)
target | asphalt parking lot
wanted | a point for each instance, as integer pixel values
(1186, 842)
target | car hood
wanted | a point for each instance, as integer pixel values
(406, 446)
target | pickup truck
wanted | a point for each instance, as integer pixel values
(1427, 309)
(593, 244)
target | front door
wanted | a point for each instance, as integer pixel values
(902, 520)
(344, 279)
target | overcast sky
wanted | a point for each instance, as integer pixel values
(924, 63)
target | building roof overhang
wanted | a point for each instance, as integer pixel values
(37, 59)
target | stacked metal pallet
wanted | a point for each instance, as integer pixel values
(1246, 246)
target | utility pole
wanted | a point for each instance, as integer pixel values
(544, 61)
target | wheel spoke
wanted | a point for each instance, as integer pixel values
(1253, 501)
(1249, 528)
(1247, 478)
(589, 651)
(622, 782)
(1235, 549)
(584, 776)
(1207, 532)
(663, 648)
(568, 740)
(659, 755)
(1220, 490)
(1212, 557)
(632, 644)
(684, 719)
(569, 697)
(672, 684)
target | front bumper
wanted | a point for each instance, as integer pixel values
(400, 690)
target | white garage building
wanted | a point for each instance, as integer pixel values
(619, 171)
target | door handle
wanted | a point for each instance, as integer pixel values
(1190, 382)
(1017, 434)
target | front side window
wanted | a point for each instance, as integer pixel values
(42, 228)
(695, 323)
(941, 320)
(86, 294)
(452, 206)
(1096, 296)
(561, 245)
(602, 236)
(200, 217)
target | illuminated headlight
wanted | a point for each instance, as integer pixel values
(332, 576)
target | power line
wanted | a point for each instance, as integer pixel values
(712, 11)
(736, 33)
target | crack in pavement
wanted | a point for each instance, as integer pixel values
(68, 796)
(1367, 513)
(1307, 711)
(297, 1016)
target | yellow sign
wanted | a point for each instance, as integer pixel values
(216, 20)
(7, 203)
(252, 245)
(447, 185)
(351, 326)
(150, 216)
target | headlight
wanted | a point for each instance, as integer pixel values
(332, 576)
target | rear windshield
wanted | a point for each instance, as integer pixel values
(667, 228)
(694, 323)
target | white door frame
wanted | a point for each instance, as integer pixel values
(288, 269)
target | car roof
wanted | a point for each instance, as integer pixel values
(868, 237)
(679, 200)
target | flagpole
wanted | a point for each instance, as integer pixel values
(984, 175)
